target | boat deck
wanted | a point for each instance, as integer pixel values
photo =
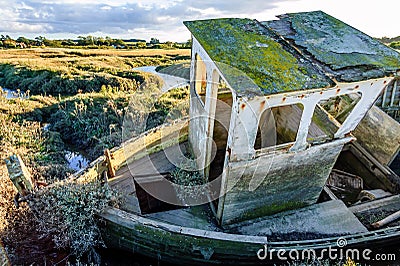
(149, 169)
(325, 219)
(330, 218)
(199, 217)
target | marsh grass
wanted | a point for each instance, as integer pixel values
(94, 121)
(18, 229)
(67, 71)
(59, 220)
(84, 113)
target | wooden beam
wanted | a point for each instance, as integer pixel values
(387, 220)
(110, 164)
(393, 93)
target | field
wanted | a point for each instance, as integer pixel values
(82, 95)
(67, 72)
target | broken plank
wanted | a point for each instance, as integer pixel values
(327, 219)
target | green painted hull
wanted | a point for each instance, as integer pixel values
(191, 246)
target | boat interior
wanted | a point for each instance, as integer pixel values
(359, 192)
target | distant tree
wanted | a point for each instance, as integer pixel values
(188, 43)
(395, 45)
(22, 39)
(169, 44)
(52, 43)
(68, 42)
(9, 43)
(85, 41)
(118, 43)
(108, 41)
(154, 41)
(140, 45)
(101, 41)
(40, 40)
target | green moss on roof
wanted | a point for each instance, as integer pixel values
(245, 46)
(339, 45)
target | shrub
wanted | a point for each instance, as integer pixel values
(66, 212)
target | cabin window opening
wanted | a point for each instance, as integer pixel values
(339, 107)
(200, 82)
(278, 126)
(389, 100)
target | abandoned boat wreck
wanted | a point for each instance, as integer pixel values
(285, 133)
(286, 137)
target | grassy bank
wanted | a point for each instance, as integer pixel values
(43, 154)
(68, 71)
(92, 92)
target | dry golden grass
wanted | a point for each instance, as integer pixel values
(52, 70)
(37, 52)
(60, 59)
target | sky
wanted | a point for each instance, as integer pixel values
(144, 19)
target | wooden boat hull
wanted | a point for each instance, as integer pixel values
(191, 246)
(188, 245)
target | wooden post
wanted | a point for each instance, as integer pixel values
(111, 169)
(19, 174)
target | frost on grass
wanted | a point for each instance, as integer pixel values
(66, 211)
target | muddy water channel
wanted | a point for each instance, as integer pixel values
(76, 159)
(11, 94)
(169, 80)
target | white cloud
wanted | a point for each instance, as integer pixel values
(163, 19)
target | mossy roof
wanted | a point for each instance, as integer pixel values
(244, 46)
(345, 52)
(301, 51)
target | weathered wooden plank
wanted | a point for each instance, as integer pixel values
(153, 163)
(93, 171)
(277, 182)
(379, 134)
(19, 174)
(358, 161)
(199, 217)
(379, 203)
(329, 218)
(126, 187)
(150, 142)
(177, 243)
(191, 246)
(387, 220)
(149, 170)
